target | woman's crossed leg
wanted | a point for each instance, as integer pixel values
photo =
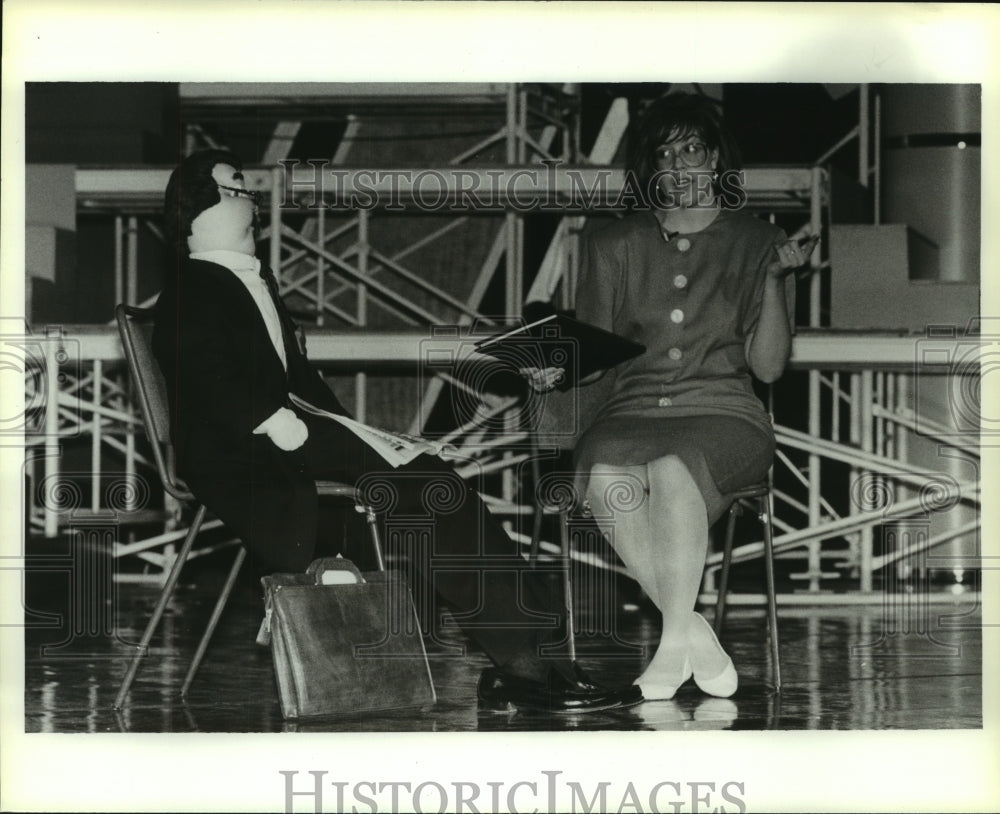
(655, 517)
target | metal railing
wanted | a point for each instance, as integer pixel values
(858, 389)
(868, 382)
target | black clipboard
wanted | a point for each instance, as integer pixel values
(561, 341)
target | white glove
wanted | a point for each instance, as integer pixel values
(285, 429)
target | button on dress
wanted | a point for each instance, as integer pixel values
(692, 301)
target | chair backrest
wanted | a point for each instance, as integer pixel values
(136, 328)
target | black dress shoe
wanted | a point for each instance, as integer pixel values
(557, 693)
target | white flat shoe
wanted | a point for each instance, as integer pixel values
(722, 684)
(657, 688)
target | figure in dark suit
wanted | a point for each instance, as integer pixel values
(231, 356)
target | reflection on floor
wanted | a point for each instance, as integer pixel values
(908, 663)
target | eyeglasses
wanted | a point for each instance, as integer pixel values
(692, 154)
(254, 196)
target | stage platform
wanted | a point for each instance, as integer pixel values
(913, 661)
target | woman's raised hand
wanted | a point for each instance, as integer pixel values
(543, 379)
(791, 255)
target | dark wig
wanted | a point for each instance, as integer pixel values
(190, 191)
(677, 115)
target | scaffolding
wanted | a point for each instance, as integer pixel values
(371, 308)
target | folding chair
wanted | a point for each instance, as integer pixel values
(760, 495)
(135, 327)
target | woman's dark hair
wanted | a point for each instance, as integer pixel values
(677, 115)
(190, 191)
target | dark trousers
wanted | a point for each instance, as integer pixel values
(460, 552)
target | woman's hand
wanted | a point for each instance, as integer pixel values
(791, 255)
(769, 346)
(543, 379)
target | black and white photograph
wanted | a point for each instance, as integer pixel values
(499, 407)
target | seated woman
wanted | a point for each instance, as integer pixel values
(708, 290)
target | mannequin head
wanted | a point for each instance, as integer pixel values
(206, 205)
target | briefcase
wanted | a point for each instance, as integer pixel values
(344, 642)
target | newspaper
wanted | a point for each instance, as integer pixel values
(395, 447)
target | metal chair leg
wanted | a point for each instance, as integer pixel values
(564, 544)
(165, 594)
(539, 516)
(372, 519)
(772, 600)
(727, 559)
(213, 621)
(338, 490)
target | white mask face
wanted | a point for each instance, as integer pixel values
(228, 224)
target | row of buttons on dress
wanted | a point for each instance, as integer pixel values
(677, 315)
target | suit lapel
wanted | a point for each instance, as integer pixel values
(239, 302)
(287, 328)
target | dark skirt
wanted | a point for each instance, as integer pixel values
(723, 454)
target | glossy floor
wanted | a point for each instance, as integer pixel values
(908, 663)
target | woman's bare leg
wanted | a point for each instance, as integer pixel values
(677, 510)
(679, 524)
(674, 551)
(662, 540)
(618, 499)
(655, 517)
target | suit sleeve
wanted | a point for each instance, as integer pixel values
(217, 381)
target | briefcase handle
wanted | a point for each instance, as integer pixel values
(334, 571)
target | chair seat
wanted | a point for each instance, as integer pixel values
(326, 488)
(757, 490)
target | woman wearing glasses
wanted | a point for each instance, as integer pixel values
(708, 290)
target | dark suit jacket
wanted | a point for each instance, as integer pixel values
(223, 379)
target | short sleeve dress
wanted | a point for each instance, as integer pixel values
(691, 300)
